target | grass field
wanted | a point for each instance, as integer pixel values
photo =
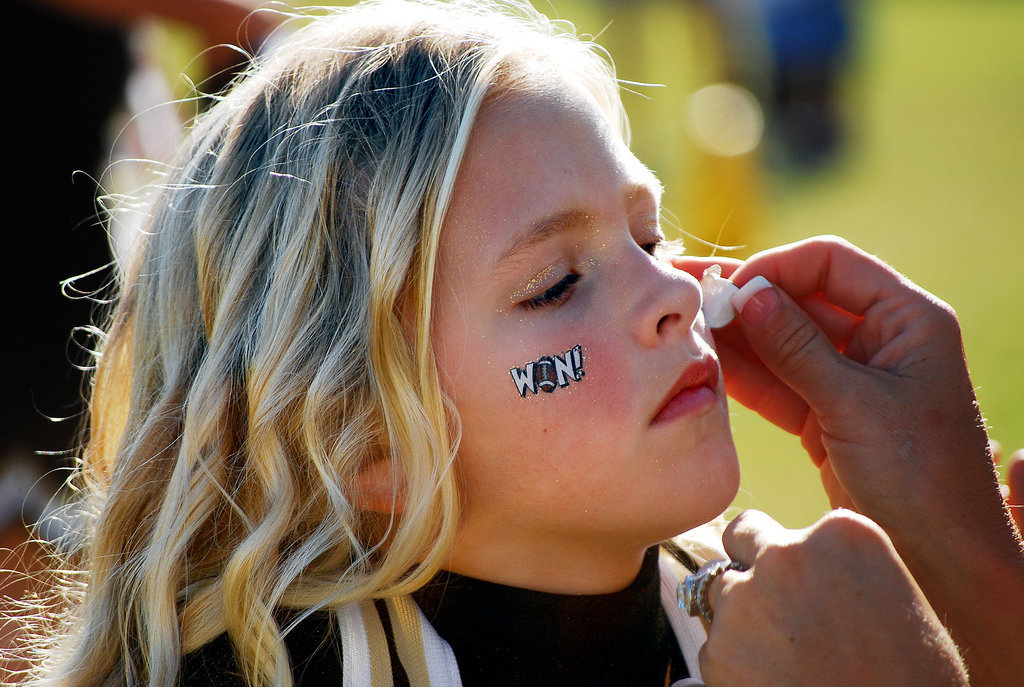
(930, 182)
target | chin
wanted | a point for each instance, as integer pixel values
(728, 464)
(719, 486)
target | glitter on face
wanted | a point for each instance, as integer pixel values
(532, 285)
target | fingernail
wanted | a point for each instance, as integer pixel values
(757, 301)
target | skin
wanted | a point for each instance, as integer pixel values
(565, 491)
(843, 565)
(904, 444)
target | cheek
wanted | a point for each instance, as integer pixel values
(500, 422)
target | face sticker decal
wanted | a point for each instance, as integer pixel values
(549, 372)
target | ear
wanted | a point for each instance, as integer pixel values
(377, 489)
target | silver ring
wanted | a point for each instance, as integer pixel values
(692, 593)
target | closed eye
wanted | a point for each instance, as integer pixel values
(556, 295)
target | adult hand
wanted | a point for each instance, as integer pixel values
(828, 605)
(868, 369)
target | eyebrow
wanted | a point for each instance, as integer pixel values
(568, 220)
(543, 230)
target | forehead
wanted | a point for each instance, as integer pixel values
(532, 156)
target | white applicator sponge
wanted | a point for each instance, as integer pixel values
(717, 302)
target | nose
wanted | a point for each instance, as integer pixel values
(668, 301)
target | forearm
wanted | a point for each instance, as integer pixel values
(971, 568)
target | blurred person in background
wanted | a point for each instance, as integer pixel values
(810, 43)
(792, 54)
(70, 83)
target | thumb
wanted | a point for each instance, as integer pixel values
(750, 533)
(790, 343)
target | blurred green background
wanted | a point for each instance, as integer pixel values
(929, 181)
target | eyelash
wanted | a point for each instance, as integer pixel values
(556, 295)
(560, 292)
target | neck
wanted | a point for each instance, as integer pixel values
(574, 567)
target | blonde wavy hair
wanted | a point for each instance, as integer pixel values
(272, 339)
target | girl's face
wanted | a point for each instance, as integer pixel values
(549, 244)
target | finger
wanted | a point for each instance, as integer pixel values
(749, 534)
(732, 335)
(837, 496)
(839, 325)
(719, 588)
(837, 322)
(833, 267)
(792, 346)
(702, 661)
(754, 386)
(810, 439)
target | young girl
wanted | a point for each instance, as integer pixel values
(325, 378)
(398, 361)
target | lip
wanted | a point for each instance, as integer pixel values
(693, 391)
